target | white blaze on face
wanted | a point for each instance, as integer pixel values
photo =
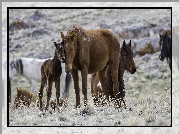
(99, 84)
(161, 47)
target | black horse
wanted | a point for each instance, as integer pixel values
(166, 48)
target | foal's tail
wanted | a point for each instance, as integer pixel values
(65, 94)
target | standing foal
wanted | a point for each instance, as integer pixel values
(51, 71)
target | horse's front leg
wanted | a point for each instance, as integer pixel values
(84, 73)
(49, 92)
(76, 85)
(57, 86)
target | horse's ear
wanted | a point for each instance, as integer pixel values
(73, 36)
(18, 90)
(160, 35)
(130, 43)
(55, 44)
(166, 34)
(62, 35)
(124, 44)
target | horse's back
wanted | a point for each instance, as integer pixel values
(102, 43)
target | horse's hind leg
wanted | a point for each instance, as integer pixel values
(94, 84)
(103, 83)
(114, 73)
(43, 83)
(49, 92)
(76, 85)
(84, 74)
(57, 86)
(109, 83)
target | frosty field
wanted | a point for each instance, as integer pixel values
(148, 91)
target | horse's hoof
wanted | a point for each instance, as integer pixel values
(41, 113)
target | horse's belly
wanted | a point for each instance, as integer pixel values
(98, 60)
(97, 66)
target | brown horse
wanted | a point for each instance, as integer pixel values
(90, 51)
(126, 63)
(23, 97)
(51, 70)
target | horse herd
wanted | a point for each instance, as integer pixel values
(95, 52)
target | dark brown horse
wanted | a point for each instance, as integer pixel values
(90, 51)
(51, 71)
(126, 63)
(166, 48)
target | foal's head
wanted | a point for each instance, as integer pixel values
(59, 51)
(127, 58)
(164, 46)
(70, 45)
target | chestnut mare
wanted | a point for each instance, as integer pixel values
(90, 51)
(126, 63)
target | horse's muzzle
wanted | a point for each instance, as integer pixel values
(161, 57)
(63, 60)
(68, 70)
(133, 70)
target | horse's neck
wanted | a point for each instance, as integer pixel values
(121, 68)
(56, 60)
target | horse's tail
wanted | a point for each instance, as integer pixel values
(19, 66)
(65, 94)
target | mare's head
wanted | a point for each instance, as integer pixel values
(60, 51)
(164, 46)
(127, 60)
(70, 46)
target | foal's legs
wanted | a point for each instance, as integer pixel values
(43, 83)
(76, 85)
(57, 86)
(49, 92)
(84, 74)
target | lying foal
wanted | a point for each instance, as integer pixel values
(51, 71)
(126, 63)
(24, 97)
